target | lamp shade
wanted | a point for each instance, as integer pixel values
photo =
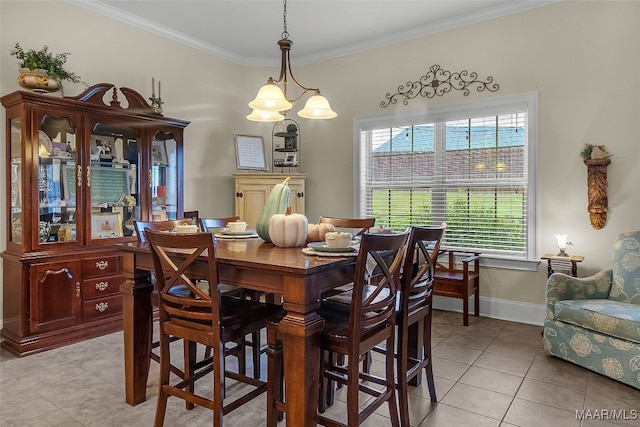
(265, 116)
(270, 98)
(317, 107)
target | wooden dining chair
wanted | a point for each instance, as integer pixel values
(213, 224)
(454, 282)
(368, 321)
(414, 310)
(139, 227)
(358, 226)
(203, 317)
(168, 225)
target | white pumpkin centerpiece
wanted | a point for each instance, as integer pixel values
(288, 230)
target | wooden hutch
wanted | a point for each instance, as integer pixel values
(80, 170)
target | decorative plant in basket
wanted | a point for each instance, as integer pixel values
(41, 70)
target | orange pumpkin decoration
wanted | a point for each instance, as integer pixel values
(317, 231)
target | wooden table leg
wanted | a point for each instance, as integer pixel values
(137, 318)
(301, 348)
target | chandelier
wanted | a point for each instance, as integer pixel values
(271, 101)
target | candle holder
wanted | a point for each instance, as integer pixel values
(156, 103)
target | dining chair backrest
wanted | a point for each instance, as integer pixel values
(194, 216)
(209, 224)
(419, 270)
(358, 225)
(172, 254)
(373, 301)
(158, 226)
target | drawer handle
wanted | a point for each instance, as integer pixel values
(101, 265)
(300, 194)
(239, 194)
(77, 289)
(101, 286)
(102, 306)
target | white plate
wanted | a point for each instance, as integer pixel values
(248, 232)
(236, 236)
(322, 247)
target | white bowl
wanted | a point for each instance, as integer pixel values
(237, 226)
(186, 228)
(337, 239)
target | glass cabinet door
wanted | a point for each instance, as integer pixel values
(58, 169)
(164, 177)
(113, 181)
(16, 180)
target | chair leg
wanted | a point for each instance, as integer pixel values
(255, 349)
(477, 299)
(189, 349)
(275, 383)
(391, 384)
(161, 405)
(403, 390)
(465, 309)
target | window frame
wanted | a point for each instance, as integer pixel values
(465, 110)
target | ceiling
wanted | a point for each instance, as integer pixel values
(246, 32)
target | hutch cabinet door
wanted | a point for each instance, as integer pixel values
(55, 295)
(252, 191)
(113, 181)
(165, 174)
(57, 194)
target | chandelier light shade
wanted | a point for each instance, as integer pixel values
(265, 116)
(270, 98)
(317, 107)
(271, 101)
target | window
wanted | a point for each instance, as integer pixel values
(471, 166)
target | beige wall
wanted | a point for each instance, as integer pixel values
(583, 58)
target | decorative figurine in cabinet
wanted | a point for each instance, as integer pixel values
(96, 168)
(285, 142)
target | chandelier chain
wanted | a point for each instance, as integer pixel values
(285, 33)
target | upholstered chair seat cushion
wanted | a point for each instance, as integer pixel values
(614, 318)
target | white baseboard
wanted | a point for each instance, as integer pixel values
(496, 308)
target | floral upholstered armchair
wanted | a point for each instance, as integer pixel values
(594, 322)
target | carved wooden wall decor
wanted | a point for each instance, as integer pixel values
(597, 191)
(438, 82)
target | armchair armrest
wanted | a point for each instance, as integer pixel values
(563, 287)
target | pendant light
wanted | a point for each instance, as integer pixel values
(271, 100)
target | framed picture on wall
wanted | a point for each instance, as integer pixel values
(250, 152)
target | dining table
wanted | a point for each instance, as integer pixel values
(297, 277)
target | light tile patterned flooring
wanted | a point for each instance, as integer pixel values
(491, 373)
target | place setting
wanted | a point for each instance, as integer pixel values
(336, 244)
(236, 230)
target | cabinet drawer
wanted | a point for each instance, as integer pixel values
(102, 307)
(102, 286)
(101, 266)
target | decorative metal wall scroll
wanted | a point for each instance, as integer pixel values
(438, 82)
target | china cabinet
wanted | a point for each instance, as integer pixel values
(80, 170)
(252, 190)
(286, 145)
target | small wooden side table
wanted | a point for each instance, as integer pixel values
(558, 263)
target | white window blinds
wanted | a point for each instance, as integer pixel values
(470, 172)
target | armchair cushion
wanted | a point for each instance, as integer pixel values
(616, 319)
(626, 268)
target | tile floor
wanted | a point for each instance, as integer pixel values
(491, 373)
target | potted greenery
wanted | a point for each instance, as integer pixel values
(41, 70)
